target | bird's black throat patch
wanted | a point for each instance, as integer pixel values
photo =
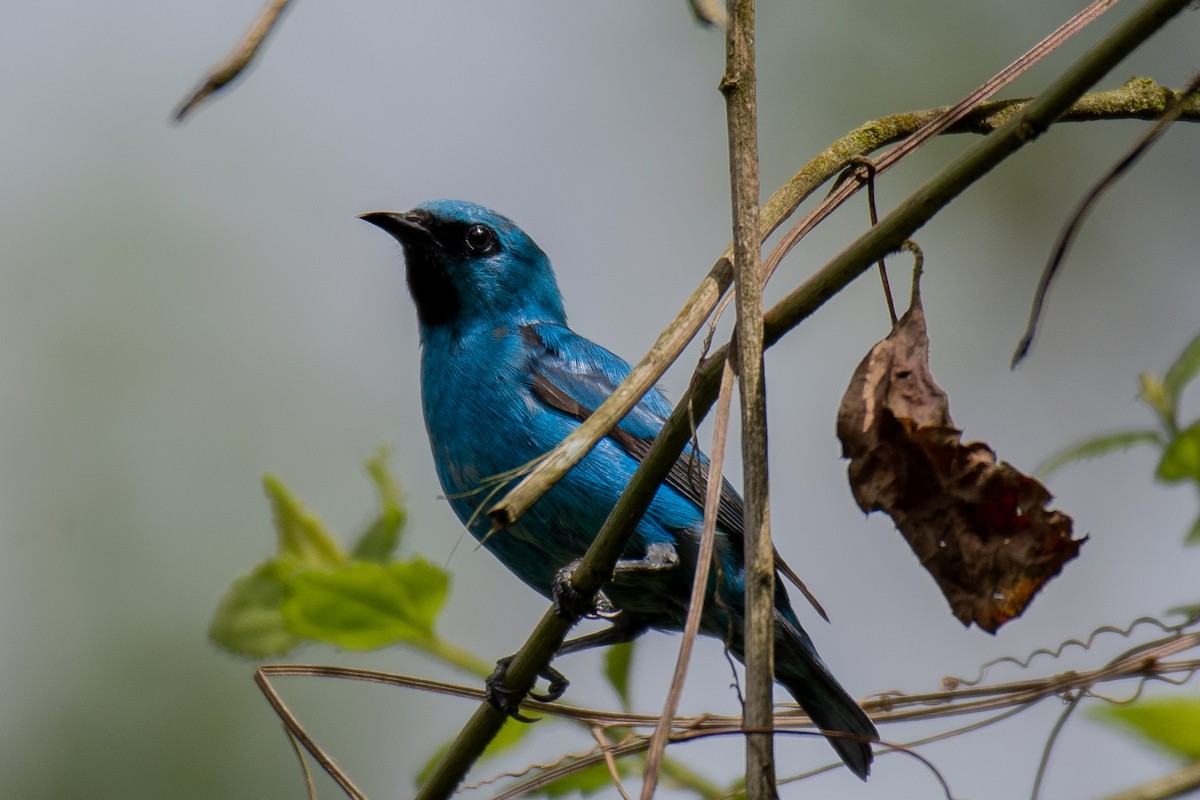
(432, 290)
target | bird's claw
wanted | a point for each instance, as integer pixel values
(569, 602)
(556, 688)
(508, 701)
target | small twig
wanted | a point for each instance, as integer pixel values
(1067, 236)
(1044, 762)
(309, 788)
(1177, 784)
(708, 537)
(234, 64)
(952, 683)
(867, 165)
(609, 761)
(1144, 661)
(294, 729)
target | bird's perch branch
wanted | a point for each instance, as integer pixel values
(1024, 124)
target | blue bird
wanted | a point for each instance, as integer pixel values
(504, 380)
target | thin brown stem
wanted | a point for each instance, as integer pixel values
(234, 64)
(300, 735)
(708, 537)
(1067, 235)
(741, 106)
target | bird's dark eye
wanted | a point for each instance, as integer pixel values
(480, 240)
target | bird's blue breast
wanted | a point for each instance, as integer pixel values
(484, 422)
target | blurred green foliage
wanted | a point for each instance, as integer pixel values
(1170, 723)
(1180, 460)
(314, 590)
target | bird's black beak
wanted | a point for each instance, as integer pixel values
(409, 227)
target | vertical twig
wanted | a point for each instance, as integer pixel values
(1044, 763)
(741, 104)
(609, 761)
(712, 499)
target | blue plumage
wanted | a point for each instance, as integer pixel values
(504, 380)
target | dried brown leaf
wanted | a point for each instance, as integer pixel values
(981, 528)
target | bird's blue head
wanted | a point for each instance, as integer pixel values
(468, 265)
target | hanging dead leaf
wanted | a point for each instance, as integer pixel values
(982, 529)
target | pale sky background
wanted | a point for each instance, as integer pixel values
(184, 308)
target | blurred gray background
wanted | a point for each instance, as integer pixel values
(184, 308)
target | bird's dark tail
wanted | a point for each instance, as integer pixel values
(800, 670)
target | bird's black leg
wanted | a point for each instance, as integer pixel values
(505, 700)
(624, 628)
(508, 701)
(570, 604)
(556, 688)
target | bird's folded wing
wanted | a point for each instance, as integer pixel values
(574, 375)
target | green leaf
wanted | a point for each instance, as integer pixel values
(364, 606)
(1181, 459)
(301, 534)
(1193, 536)
(379, 541)
(1173, 724)
(1154, 394)
(507, 739)
(1183, 370)
(617, 661)
(584, 783)
(1101, 445)
(1188, 611)
(249, 617)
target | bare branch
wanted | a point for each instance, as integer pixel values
(298, 734)
(234, 64)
